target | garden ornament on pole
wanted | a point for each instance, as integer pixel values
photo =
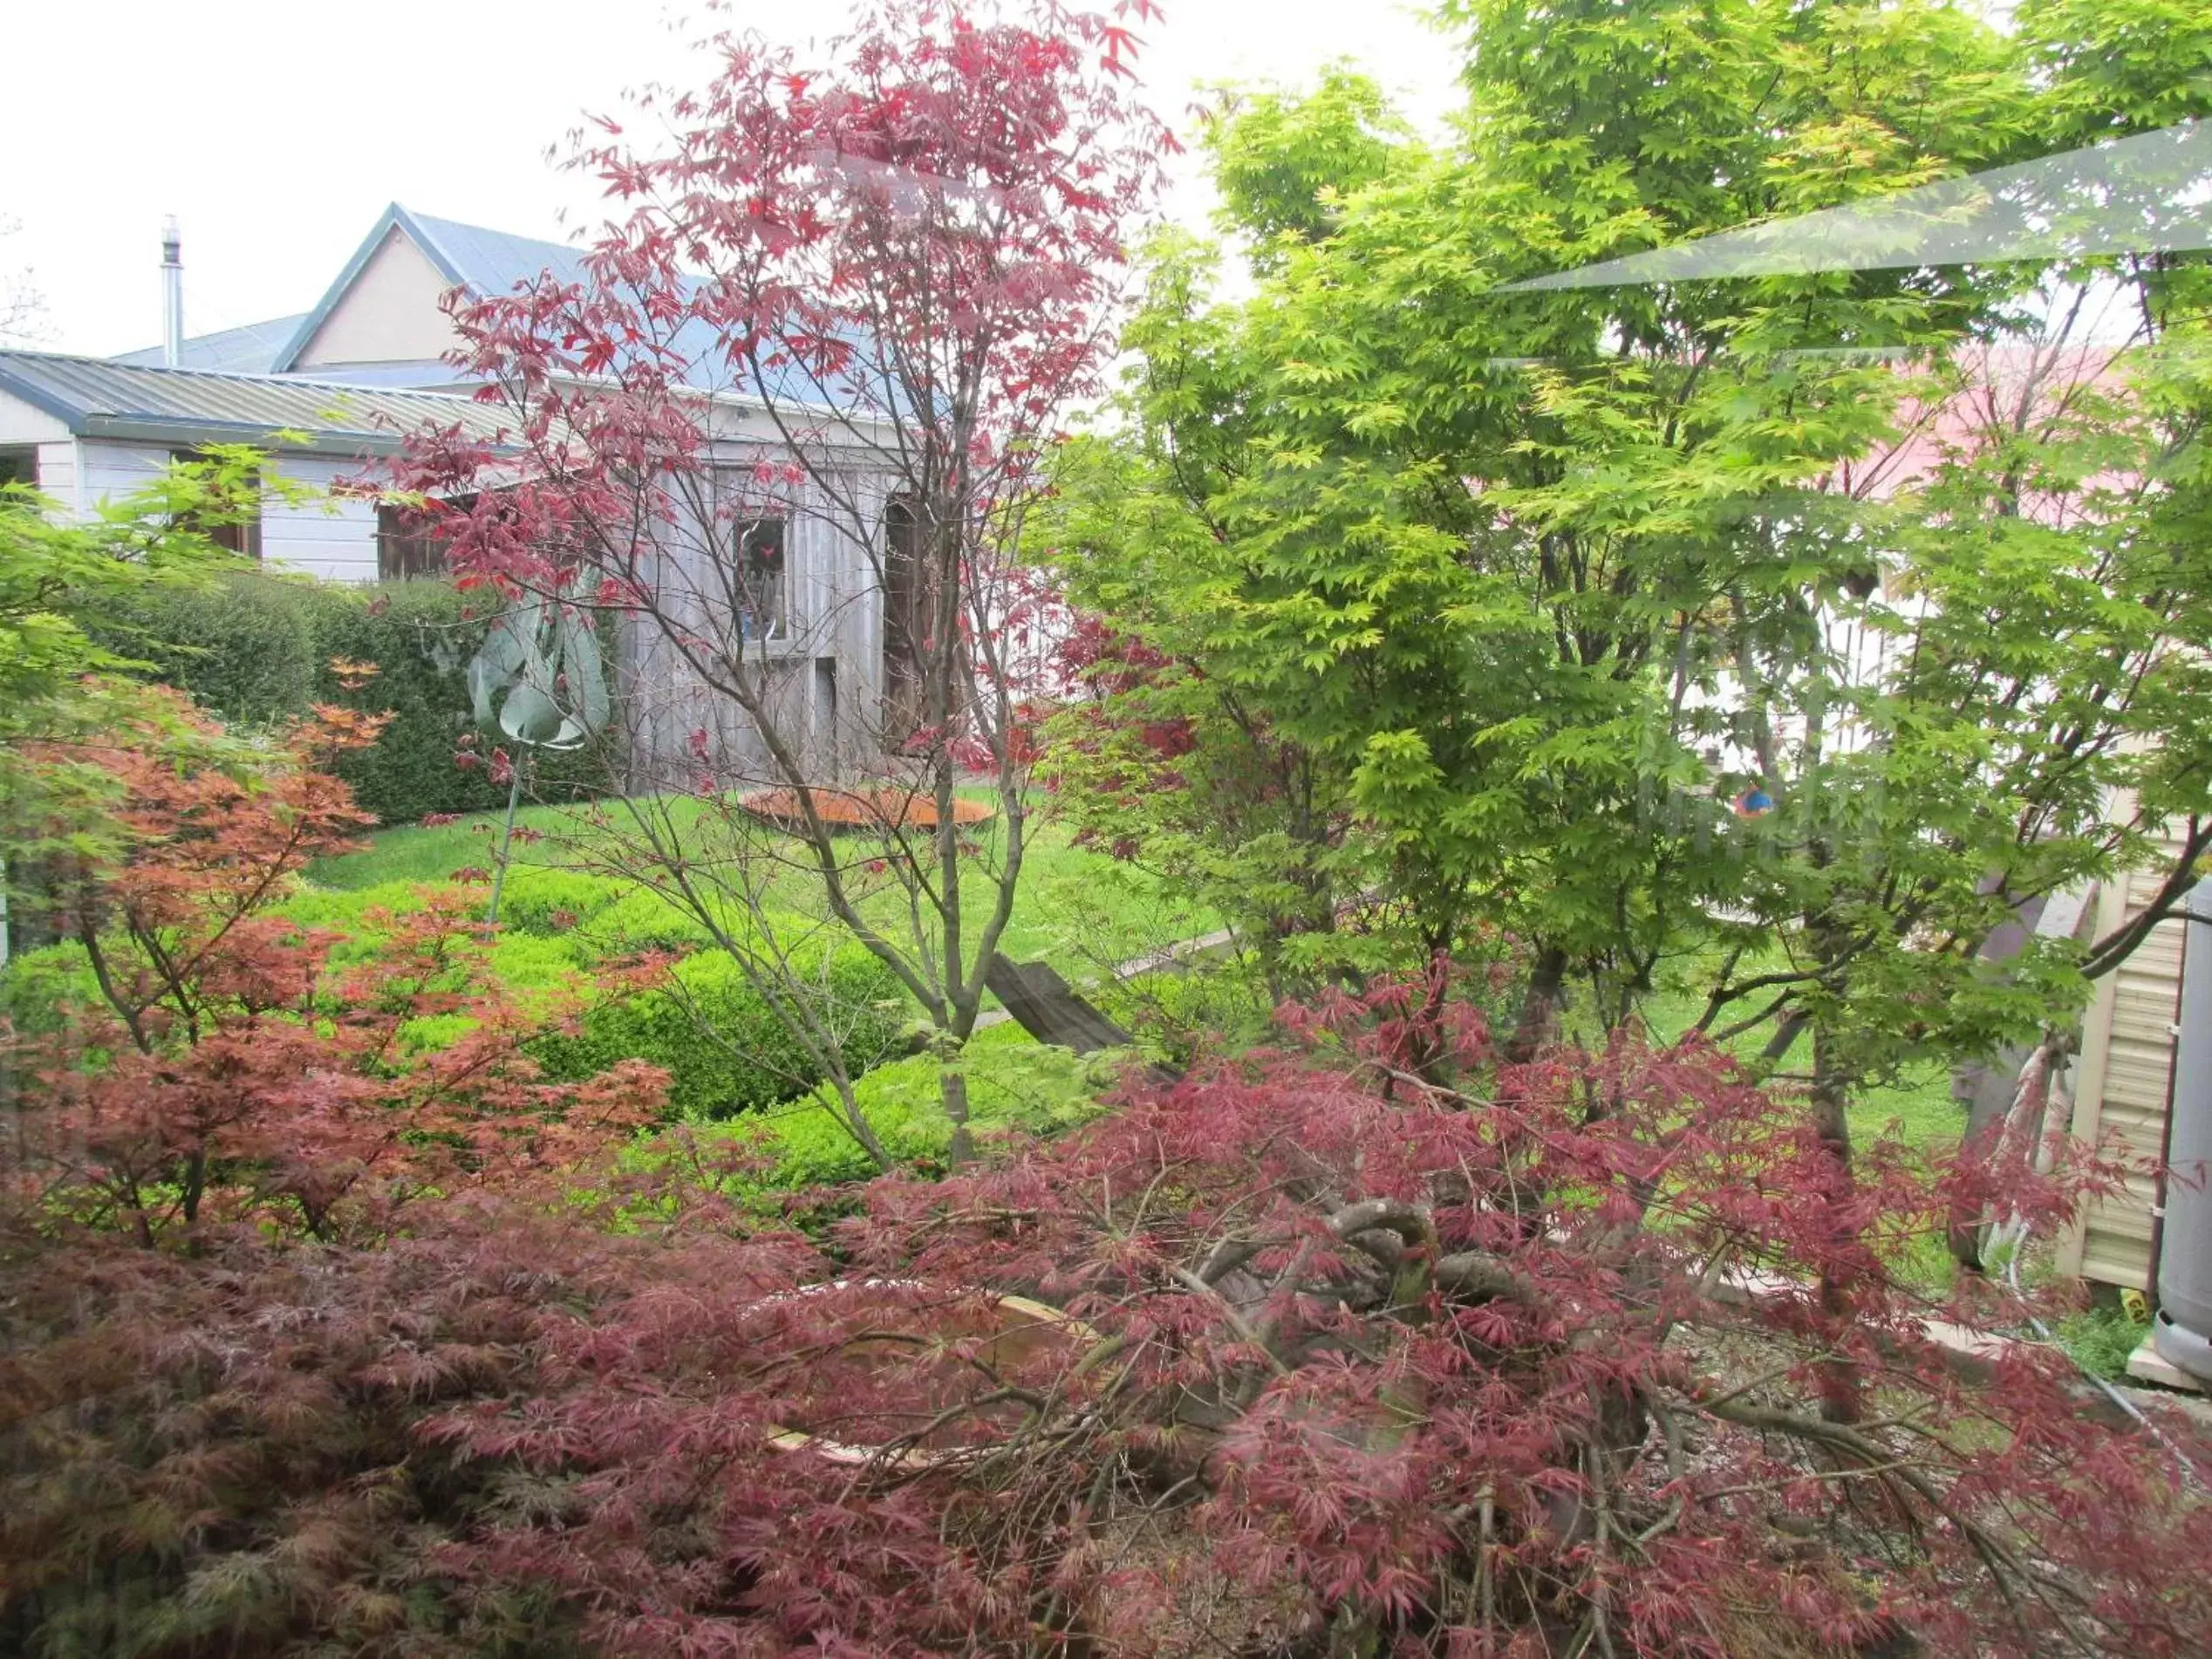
(538, 678)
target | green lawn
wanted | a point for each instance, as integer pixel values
(1079, 910)
(1919, 1104)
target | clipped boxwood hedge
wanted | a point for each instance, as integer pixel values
(602, 918)
(257, 649)
(725, 1050)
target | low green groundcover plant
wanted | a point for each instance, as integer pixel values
(721, 1044)
(1015, 1085)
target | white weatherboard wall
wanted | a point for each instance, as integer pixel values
(107, 467)
(25, 423)
(58, 473)
(327, 535)
(324, 535)
(26, 426)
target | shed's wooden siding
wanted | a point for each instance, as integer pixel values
(2120, 1088)
(825, 679)
(828, 675)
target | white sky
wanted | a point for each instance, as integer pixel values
(278, 130)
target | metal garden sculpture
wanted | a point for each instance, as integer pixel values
(538, 678)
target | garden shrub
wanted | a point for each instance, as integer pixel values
(557, 925)
(594, 918)
(1219, 1002)
(724, 1048)
(421, 636)
(257, 649)
(644, 920)
(38, 988)
(1014, 1084)
(537, 899)
(243, 647)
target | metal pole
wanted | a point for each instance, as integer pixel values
(506, 841)
(172, 294)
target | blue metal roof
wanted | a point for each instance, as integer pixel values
(430, 375)
(249, 350)
(488, 262)
(96, 396)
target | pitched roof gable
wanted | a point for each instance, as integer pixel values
(488, 262)
(484, 262)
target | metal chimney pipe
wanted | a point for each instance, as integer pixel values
(172, 293)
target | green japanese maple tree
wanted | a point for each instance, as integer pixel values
(1542, 580)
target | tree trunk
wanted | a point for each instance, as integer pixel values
(956, 1108)
(1539, 1008)
(1839, 1383)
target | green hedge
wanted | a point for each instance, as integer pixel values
(244, 647)
(749, 1061)
(257, 649)
(603, 917)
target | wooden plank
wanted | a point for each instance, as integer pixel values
(1047, 1008)
(2147, 1364)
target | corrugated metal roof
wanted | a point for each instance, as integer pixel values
(491, 262)
(98, 397)
(423, 375)
(249, 350)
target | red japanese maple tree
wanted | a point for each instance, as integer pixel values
(228, 1072)
(785, 426)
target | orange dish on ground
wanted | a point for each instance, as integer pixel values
(879, 808)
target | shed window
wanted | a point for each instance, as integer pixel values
(406, 547)
(19, 467)
(240, 528)
(763, 579)
(903, 619)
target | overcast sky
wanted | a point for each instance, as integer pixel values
(277, 131)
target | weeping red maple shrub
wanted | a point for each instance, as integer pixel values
(235, 1190)
(1364, 1364)
(318, 1341)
